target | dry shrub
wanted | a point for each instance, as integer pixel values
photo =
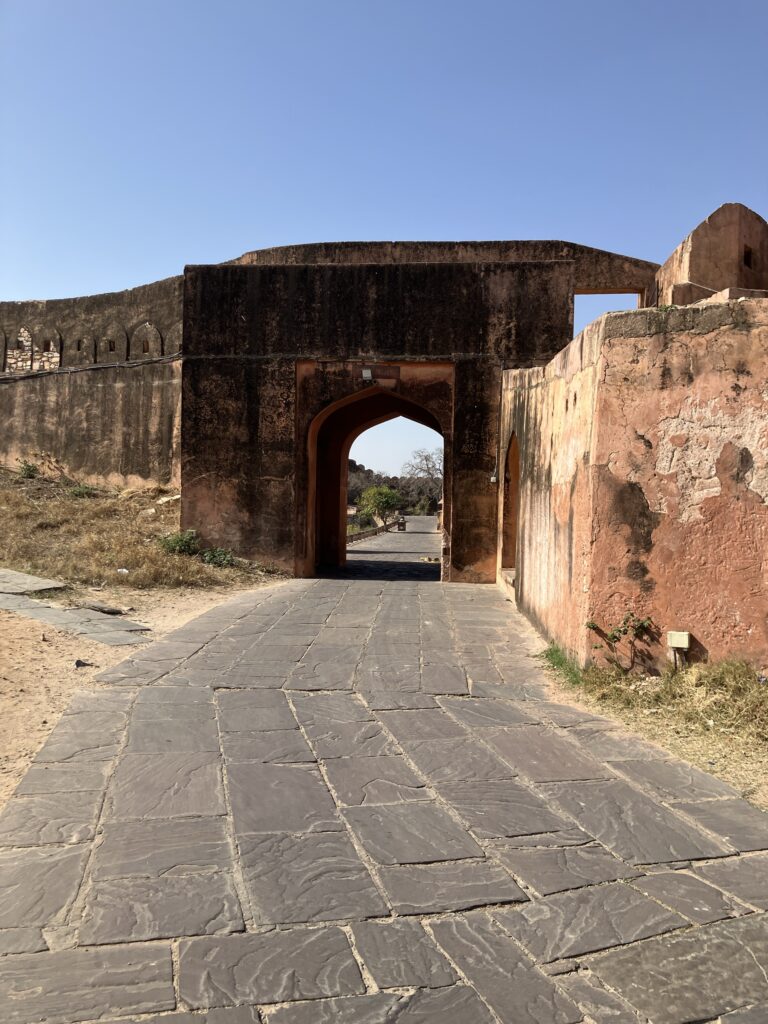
(47, 530)
(727, 696)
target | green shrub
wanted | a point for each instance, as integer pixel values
(82, 491)
(28, 470)
(557, 659)
(184, 542)
(221, 557)
(383, 502)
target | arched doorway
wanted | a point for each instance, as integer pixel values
(510, 508)
(331, 436)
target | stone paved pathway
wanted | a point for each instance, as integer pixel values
(350, 802)
(95, 625)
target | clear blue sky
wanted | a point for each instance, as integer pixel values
(139, 136)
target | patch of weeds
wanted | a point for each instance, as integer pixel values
(558, 660)
(727, 697)
(83, 491)
(183, 542)
(221, 557)
(28, 470)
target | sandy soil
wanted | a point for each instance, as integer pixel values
(37, 665)
(741, 762)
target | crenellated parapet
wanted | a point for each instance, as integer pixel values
(117, 327)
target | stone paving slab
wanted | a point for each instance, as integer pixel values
(156, 848)
(95, 625)
(309, 877)
(12, 582)
(374, 780)
(39, 886)
(700, 902)
(693, 976)
(400, 954)
(501, 973)
(632, 825)
(554, 870)
(570, 924)
(351, 800)
(746, 878)
(458, 885)
(82, 984)
(139, 909)
(268, 968)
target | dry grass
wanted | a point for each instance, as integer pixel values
(713, 715)
(728, 696)
(58, 529)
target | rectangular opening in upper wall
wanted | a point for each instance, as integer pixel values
(587, 308)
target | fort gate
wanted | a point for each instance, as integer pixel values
(290, 353)
(624, 469)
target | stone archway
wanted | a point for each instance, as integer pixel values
(330, 438)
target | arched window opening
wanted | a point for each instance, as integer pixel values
(19, 353)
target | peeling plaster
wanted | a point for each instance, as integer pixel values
(707, 429)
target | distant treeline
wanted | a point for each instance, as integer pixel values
(420, 483)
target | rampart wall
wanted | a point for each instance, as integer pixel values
(118, 424)
(116, 327)
(644, 479)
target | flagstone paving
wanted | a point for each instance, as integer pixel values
(350, 801)
(91, 623)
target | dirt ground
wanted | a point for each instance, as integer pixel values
(37, 665)
(740, 761)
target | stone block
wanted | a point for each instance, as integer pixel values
(410, 833)
(436, 888)
(84, 984)
(267, 968)
(306, 878)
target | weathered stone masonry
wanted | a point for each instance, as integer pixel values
(614, 472)
(643, 461)
(108, 406)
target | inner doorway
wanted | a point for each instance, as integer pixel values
(394, 495)
(331, 438)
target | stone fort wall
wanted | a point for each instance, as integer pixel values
(96, 383)
(644, 480)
